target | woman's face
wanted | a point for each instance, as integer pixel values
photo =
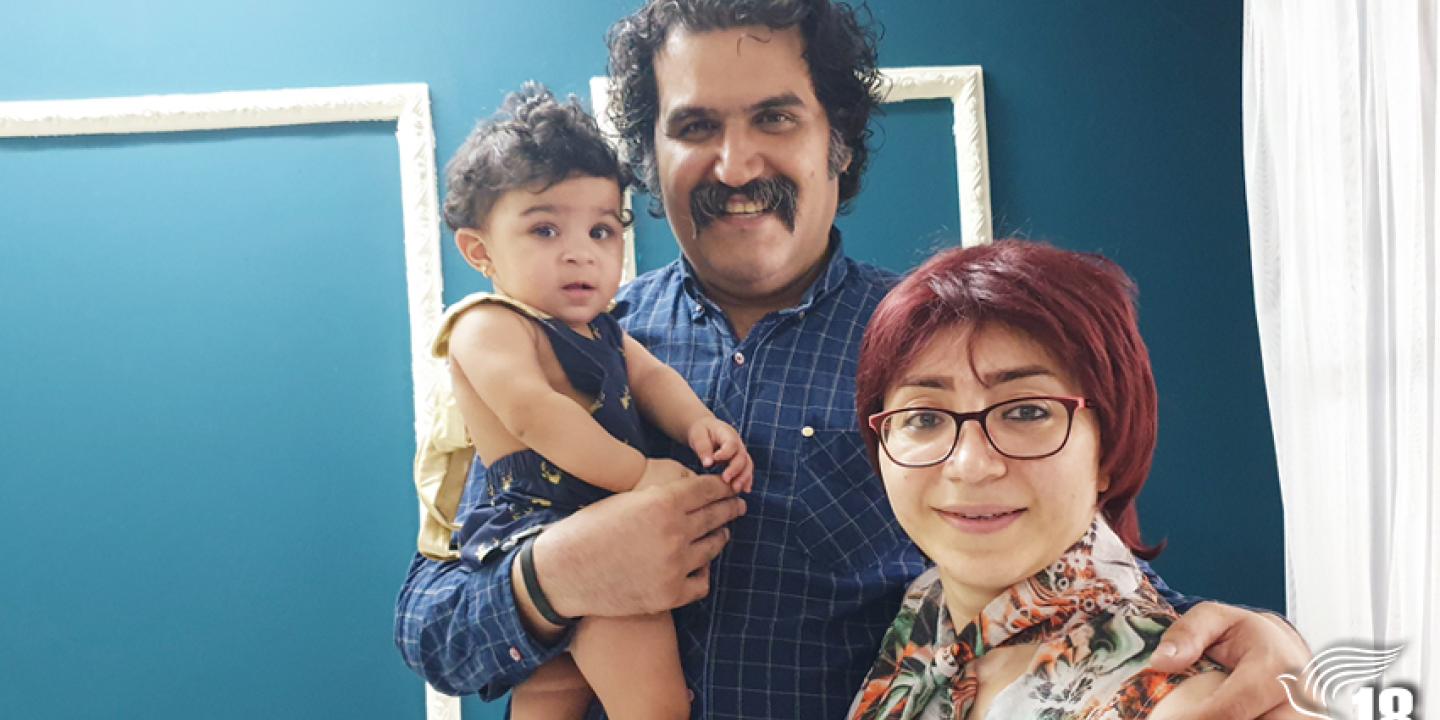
(989, 521)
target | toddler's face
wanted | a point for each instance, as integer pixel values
(559, 250)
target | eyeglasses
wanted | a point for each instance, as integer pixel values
(1027, 428)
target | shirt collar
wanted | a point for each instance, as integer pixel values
(830, 279)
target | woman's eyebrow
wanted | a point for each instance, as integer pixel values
(1005, 375)
(990, 379)
(937, 382)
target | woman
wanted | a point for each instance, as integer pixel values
(1007, 400)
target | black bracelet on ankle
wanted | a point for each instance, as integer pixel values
(532, 584)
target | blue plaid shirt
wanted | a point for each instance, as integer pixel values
(813, 573)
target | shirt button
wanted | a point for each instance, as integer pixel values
(807, 431)
(515, 654)
(739, 358)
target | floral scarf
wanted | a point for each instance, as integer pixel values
(1093, 614)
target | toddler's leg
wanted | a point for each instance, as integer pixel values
(633, 665)
(556, 690)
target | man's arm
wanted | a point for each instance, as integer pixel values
(1255, 645)
(633, 553)
(456, 626)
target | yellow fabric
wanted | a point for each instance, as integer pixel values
(442, 462)
(441, 346)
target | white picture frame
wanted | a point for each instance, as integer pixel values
(962, 85)
(407, 104)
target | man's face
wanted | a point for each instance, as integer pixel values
(737, 109)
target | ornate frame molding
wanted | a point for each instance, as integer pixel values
(406, 104)
(962, 85)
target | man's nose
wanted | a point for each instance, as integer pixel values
(739, 160)
(974, 459)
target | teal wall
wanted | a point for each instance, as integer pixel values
(205, 423)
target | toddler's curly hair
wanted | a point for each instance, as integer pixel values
(532, 140)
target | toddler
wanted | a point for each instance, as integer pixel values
(552, 390)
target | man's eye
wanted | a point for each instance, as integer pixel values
(775, 120)
(696, 129)
(545, 231)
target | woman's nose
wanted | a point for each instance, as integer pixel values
(974, 459)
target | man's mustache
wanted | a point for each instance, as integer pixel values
(774, 194)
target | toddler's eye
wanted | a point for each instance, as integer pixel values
(602, 232)
(545, 231)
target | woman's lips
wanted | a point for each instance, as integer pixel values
(980, 519)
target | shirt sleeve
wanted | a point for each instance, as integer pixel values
(1181, 603)
(457, 626)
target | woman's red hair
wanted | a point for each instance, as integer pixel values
(1079, 306)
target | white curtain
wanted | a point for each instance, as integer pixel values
(1340, 158)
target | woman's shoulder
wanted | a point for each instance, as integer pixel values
(1187, 692)
(1118, 643)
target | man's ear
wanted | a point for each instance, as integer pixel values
(840, 158)
(471, 242)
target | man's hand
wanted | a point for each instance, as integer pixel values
(1254, 646)
(638, 552)
(716, 442)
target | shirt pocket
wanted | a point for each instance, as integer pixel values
(840, 516)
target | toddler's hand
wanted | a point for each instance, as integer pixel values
(659, 471)
(716, 442)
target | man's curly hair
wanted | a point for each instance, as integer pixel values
(532, 140)
(839, 51)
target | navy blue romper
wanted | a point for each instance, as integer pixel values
(523, 490)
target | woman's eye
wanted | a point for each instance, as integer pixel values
(923, 420)
(1027, 412)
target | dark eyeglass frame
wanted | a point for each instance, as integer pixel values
(1071, 404)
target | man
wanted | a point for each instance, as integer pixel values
(747, 120)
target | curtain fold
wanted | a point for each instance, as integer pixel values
(1340, 149)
